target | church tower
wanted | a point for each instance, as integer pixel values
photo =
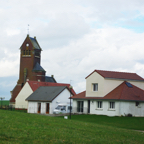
(30, 69)
(30, 59)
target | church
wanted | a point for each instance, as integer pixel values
(30, 67)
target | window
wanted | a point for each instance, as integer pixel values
(29, 52)
(80, 106)
(95, 87)
(137, 104)
(99, 104)
(37, 53)
(112, 105)
(26, 52)
(27, 44)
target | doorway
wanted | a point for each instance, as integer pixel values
(39, 108)
(47, 108)
(80, 106)
(88, 106)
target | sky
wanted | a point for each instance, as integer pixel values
(76, 36)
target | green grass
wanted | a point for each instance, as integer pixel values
(19, 128)
(135, 123)
(4, 102)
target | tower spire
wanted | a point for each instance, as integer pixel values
(28, 29)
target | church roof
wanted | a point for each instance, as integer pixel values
(37, 67)
(49, 79)
(46, 93)
(35, 43)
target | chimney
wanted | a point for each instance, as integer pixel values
(52, 76)
(35, 37)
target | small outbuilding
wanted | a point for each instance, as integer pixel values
(45, 99)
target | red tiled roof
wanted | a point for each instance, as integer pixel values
(80, 95)
(35, 84)
(122, 92)
(117, 75)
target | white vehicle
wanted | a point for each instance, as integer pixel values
(62, 108)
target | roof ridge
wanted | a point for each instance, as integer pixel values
(114, 71)
(118, 75)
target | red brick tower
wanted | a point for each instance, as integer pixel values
(30, 57)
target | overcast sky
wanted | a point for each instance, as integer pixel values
(77, 37)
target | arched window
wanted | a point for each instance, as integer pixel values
(29, 52)
(24, 52)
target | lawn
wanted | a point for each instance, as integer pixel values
(135, 123)
(19, 128)
(4, 102)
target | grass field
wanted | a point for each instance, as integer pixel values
(4, 102)
(16, 127)
(135, 123)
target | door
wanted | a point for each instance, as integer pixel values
(39, 108)
(80, 106)
(47, 108)
(88, 106)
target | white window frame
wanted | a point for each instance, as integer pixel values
(112, 105)
(95, 87)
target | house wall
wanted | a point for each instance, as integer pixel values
(139, 84)
(23, 94)
(63, 97)
(105, 85)
(105, 110)
(121, 108)
(130, 107)
(33, 107)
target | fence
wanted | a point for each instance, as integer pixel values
(75, 110)
(12, 108)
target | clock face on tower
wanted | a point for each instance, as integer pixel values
(27, 44)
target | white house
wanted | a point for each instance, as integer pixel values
(111, 93)
(29, 88)
(45, 99)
